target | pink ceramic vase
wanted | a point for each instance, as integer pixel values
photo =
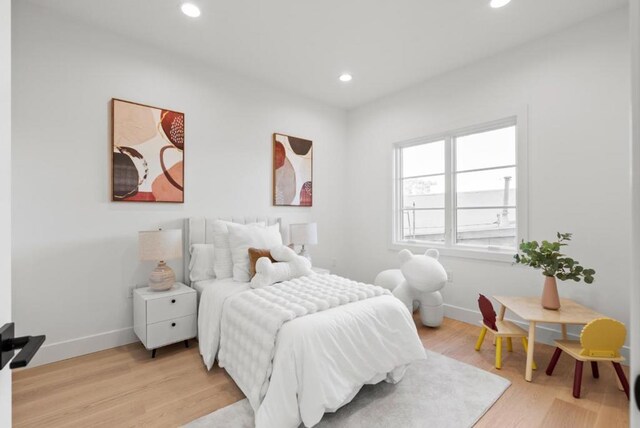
(550, 299)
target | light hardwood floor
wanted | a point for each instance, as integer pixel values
(124, 387)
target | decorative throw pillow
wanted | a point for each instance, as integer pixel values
(268, 273)
(201, 263)
(223, 264)
(243, 237)
(254, 255)
(282, 253)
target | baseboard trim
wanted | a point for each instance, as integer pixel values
(544, 334)
(52, 352)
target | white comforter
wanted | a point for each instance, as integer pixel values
(252, 320)
(321, 360)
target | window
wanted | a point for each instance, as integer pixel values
(460, 190)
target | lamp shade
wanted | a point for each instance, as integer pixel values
(156, 245)
(304, 233)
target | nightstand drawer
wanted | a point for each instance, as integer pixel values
(171, 307)
(171, 331)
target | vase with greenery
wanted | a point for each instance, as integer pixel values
(547, 257)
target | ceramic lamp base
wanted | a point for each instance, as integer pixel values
(162, 278)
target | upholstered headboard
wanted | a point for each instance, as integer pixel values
(199, 230)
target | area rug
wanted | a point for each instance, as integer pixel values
(439, 392)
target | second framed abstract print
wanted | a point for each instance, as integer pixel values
(292, 171)
(147, 153)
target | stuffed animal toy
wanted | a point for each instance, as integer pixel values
(417, 284)
(288, 265)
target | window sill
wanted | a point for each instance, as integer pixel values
(497, 255)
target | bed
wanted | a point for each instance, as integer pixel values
(317, 362)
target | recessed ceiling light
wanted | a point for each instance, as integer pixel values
(190, 9)
(499, 3)
(345, 77)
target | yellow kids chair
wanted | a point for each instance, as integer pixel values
(500, 329)
(600, 340)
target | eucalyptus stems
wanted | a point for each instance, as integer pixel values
(547, 257)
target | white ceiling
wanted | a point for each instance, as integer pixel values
(303, 45)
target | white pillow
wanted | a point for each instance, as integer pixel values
(268, 273)
(223, 263)
(282, 253)
(201, 263)
(242, 237)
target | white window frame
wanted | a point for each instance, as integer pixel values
(449, 247)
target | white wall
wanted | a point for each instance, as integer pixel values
(5, 197)
(74, 251)
(576, 85)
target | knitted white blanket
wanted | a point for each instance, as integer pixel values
(251, 321)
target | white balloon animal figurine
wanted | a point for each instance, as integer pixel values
(417, 284)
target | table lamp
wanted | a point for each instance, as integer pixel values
(304, 234)
(160, 246)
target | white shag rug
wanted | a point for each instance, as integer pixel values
(438, 392)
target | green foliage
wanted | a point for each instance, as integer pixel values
(547, 256)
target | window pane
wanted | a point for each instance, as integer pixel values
(484, 227)
(486, 149)
(425, 225)
(424, 159)
(425, 192)
(495, 187)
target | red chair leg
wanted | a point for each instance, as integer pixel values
(577, 379)
(554, 361)
(622, 377)
(594, 369)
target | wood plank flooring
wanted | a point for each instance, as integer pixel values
(124, 387)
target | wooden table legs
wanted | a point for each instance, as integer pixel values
(532, 340)
(503, 309)
(620, 387)
(622, 378)
(564, 332)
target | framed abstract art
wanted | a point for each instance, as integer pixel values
(292, 171)
(147, 153)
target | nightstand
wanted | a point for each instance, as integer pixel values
(161, 318)
(320, 270)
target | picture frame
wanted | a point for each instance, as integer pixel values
(147, 153)
(292, 171)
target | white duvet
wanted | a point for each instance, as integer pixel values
(320, 360)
